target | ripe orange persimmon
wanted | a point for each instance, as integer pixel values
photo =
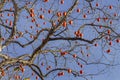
(22, 69)
(105, 19)
(2, 39)
(98, 19)
(84, 16)
(109, 31)
(63, 53)
(46, 0)
(118, 40)
(47, 68)
(61, 73)
(32, 73)
(3, 73)
(64, 24)
(88, 11)
(69, 70)
(41, 16)
(64, 13)
(38, 25)
(36, 77)
(95, 44)
(78, 63)
(17, 77)
(33, 20)
(108, 51)
(97, 4)
(81, 65)
(32, 14)
(71, 22)
(74, 55)
(80, 35)
(42, 64)
(11, 23)
(110, 7)
(49, 11)
(59, 14)
(8, 14)
(78, 10)
(110, 22)
(88, 55)
(31, 10)
(62, 1)
(81, 71)
(100, 27)
(110, 43)
(115, 14)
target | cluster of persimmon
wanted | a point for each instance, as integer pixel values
(32, 14)
(61, 73)
(17, 77)
(22, 68)
(48, 68)
(64, 24)
(20, 34)
(59, 14)
(81, 65)
(2, 72)
(33, 75)
(33, 37)
(105, 19)
(10, 23)
(63, 53)
(78, 34)
(69, 71)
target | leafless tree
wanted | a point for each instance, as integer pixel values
(52, 38)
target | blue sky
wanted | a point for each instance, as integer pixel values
(97, 54)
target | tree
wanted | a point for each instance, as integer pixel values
(56, 39)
